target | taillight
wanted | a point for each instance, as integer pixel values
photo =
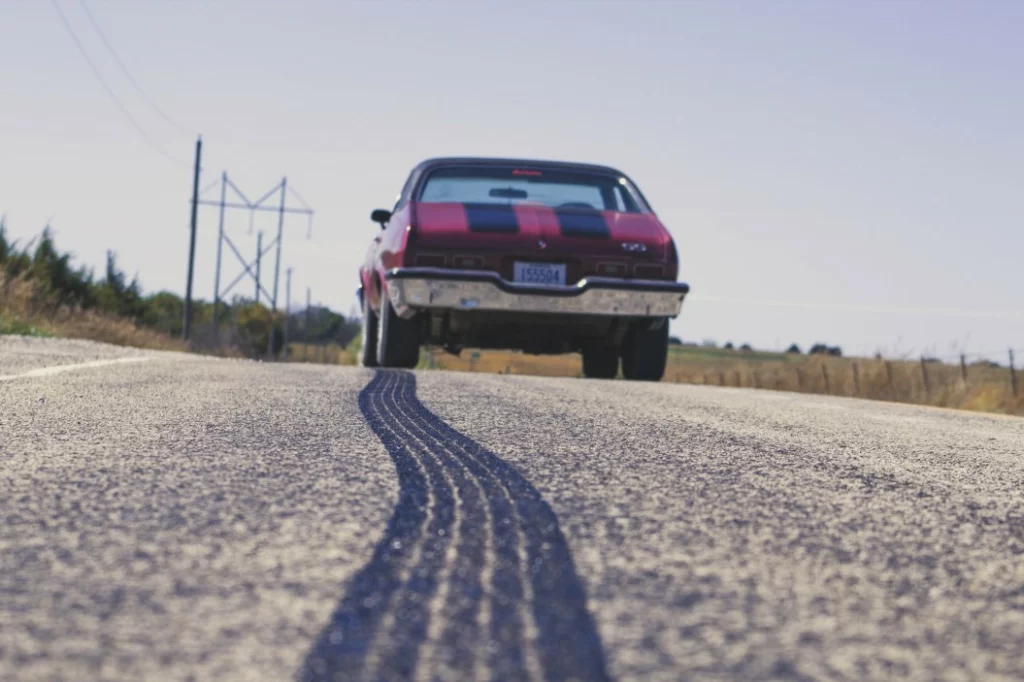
(468, 262)
(430, 260)
(611, 269)
(646, 271)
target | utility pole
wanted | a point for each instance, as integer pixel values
(321, 347)
(186, 329)
(259, 259)
(305, 329)
(277, 264)
(220, 243)
(287, 310)
(1013, 377)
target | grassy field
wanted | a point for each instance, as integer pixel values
(27, 309)
(986, 388)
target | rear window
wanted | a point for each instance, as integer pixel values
(509, 185)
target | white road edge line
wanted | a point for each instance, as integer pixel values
(59, 369)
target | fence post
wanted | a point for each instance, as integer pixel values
(738, 382)
(924, 375)
(799, 379)
(1013, 376)
(856, 380)
(721, 378)
(824, 375)
(888, 380)
(963, 368)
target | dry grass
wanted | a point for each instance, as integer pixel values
(27, 308)
(324, 354)
(504, 362)
(987, 389)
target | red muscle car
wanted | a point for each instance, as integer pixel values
(539, 256)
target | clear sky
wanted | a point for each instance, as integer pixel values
(846, 172)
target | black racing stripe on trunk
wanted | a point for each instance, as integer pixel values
(582, 223)
(491, 218)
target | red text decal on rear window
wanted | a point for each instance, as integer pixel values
(533, 173)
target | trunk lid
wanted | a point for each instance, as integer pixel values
(500, 234)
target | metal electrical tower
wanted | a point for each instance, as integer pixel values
(250, 269)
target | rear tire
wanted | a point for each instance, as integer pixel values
(645, 351)
(368, 351)
(398, 342)
(600, 362)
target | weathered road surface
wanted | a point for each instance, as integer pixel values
(181, 518)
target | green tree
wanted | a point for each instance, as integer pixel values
(253, 323)
(164, 311)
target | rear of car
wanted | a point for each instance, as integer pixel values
(542, 257)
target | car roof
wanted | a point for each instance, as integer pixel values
(533, 163)
(442, 161)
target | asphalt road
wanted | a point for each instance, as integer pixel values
(170, 517)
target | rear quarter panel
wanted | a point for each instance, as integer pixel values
(387, 253)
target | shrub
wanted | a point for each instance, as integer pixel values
(44, 291)
(823, 349)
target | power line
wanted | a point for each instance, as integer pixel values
(124, 69)
(298, 196)
(109, 91)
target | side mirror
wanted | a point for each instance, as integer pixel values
(381, 216)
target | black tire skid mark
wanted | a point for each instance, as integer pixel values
(505, 654)
(568, 644)
(460, 634)
(341, 649)
(399, 654)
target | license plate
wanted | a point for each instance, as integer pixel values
(539, 273)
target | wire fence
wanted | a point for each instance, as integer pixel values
(970, 381)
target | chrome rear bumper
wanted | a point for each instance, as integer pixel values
(436, 288)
